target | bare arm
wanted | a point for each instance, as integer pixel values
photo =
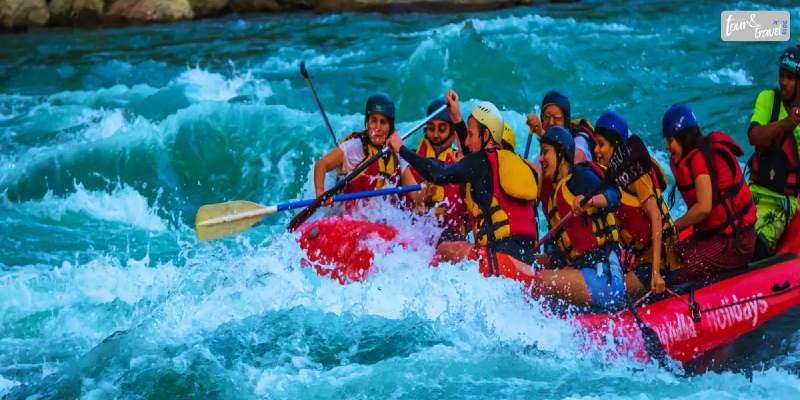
(762, 135)
(328, 162)
(702, 208)
(651, 208)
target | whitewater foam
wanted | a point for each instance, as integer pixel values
(737, 77)
(122, 204)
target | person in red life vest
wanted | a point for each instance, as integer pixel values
(440, 143)
(719, 205)
(646, 230)
(775, 165)
(357, 147)
(501, 191)
(582, 263)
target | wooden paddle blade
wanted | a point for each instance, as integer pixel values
(222, 219)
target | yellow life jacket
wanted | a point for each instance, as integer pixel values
(634, 224)
(378, 174)
(583, 234)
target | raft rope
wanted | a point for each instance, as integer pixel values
(777, 290)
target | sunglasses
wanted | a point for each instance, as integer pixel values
(552, 117)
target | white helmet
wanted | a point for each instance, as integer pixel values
(489, 116)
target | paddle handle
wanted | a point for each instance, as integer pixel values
(307, 77)
(351, 196)
(528, 144)
(560, 225)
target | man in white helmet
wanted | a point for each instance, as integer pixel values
(501, 192)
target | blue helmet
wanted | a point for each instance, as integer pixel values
(444, 115)
(677, 118)
(611, 123)
(560, 138)
(380, 103)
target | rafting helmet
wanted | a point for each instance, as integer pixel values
(790, 60)
(489, 116)
(509, 139)
(560, 100)
(443, 115)
(380, 103)
(612, 126)
(677, 118)
(560, 138)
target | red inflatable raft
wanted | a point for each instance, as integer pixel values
(702, 319)
(688, 325)
(342, 248)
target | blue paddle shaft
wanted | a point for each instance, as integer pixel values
(528, 145)
(352, 196)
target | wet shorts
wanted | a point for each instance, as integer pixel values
(605, 283)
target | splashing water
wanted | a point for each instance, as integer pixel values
(110, 142)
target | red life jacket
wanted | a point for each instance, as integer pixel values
(585, 234)
(448, 200)
(385, 171)
(634, 224)
(776, 167)
(514, 194)
(732, 205)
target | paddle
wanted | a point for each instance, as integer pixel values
(307, 212)
(304, 72)
(222, 219)
(628, 163)
(530, 136)
(528, 144)
(652, 344)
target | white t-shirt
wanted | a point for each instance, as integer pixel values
(354, 155)
(583, 145)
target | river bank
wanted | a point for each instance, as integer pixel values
(21, 15)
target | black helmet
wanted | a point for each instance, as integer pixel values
(380, 103)
(790, 60)
(442, 115)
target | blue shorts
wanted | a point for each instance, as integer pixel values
(605, 283)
